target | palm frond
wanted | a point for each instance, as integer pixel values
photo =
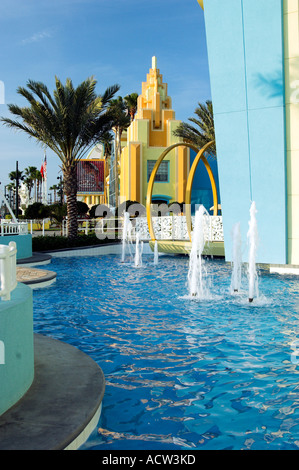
(203, 131)
(109, 93)
(69, 121)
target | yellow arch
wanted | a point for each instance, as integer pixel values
(199, 156)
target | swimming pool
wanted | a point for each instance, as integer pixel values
(180, 374)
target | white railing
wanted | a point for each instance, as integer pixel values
(84, 225)
(8, 227)
(166, 228)
(112, 227)
(8, 270)
(41, 223)
(174, 227)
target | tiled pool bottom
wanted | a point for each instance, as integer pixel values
(180, 374)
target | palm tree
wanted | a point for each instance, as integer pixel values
(107, 141)
(55, 189)
(70, 122)
(29, 178)
(204, 132)
(131, 104)
(60, 190)
(14, 176)
(37, 177)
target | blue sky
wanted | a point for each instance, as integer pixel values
(113, 40)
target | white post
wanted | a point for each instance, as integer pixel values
(31, 227)
(8, 262)
(13, 264)
(43, 227)
(3, 250)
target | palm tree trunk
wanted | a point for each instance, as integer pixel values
(70, 190)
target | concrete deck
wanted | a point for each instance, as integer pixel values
(284, 269)
(37, 259)
(35, 277)
(183, 247)
(63, 405)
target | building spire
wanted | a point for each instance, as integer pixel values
(154, 98)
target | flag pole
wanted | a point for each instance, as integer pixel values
(17, 190)
(44, 180)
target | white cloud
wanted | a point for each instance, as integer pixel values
(37, 37)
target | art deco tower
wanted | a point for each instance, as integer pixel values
(148, 136)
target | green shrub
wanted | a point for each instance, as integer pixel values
(37, 210)
(48, 243)
(82, 208)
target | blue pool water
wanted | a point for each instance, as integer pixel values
(180, 374)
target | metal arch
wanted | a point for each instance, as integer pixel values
(198, 157)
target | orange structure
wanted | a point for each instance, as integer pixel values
(150, 133)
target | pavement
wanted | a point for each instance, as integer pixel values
(63, 405)
(35, 277)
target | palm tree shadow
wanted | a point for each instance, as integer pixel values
(271, 86)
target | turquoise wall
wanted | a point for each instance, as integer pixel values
(201, 189)
(24, 244)
(16, 346)
(246, 62)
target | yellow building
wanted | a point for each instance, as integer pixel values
(150, 133)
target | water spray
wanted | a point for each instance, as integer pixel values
(252, 236)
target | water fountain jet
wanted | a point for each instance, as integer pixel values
(237, 259)
(127, 234)
(138, 251)
(196, 275)
(252, 236)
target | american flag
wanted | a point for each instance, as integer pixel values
(43, 169)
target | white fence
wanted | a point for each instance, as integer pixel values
(8, 270)
(172, 227)
(8, 227)
(165, 228)
(40, 223)
(84, 225)
(175, 228)
(111, 227)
